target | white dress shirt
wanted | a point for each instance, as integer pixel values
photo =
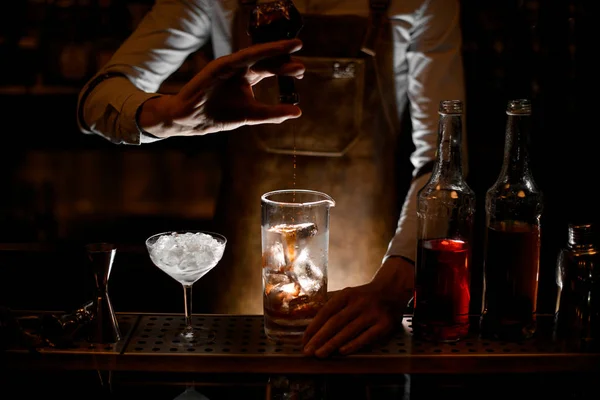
(427, 69)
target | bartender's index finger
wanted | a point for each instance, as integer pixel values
(227, 66)
(330, 308)
(251, 55)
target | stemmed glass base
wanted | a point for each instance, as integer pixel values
(190, 336)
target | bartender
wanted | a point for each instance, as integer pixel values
(355, 94)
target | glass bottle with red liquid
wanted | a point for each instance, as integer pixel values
(277, 20)
(445, 211)
(514, 206)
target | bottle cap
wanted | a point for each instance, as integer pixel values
(581, 234)
(519, 107)
(450, 107)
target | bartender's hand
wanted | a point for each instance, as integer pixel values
(220, 96)
(357, 316)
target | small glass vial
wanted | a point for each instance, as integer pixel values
(446, 211)
(513, 208)
(277, 20)
(577, 317)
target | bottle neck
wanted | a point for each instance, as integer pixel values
(515, 165)
(448, 163)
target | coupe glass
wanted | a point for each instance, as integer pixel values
(187, 256)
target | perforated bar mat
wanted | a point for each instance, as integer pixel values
(240, 346)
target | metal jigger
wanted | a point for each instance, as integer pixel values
(104, 326)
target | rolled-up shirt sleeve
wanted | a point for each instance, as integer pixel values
(168, 34)
(428, 62)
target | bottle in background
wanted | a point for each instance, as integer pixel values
(446, 211)
(513, 206)
(577, 317)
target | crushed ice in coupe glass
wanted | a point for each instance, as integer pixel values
(186, 257)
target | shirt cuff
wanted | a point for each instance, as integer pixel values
(129, 130)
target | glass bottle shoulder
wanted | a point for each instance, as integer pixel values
(514, 203)
(440, 189)
(523, 190)
(450, 196)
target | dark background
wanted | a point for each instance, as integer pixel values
(62, 189)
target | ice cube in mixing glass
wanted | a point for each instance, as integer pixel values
(292, 237)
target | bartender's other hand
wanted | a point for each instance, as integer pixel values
(220, 96)
(357, 316)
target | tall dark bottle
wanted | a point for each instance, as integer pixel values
(277, 20)
(577, 317)
(513, 206)
(446, 211)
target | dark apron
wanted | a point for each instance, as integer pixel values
(344, 145)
